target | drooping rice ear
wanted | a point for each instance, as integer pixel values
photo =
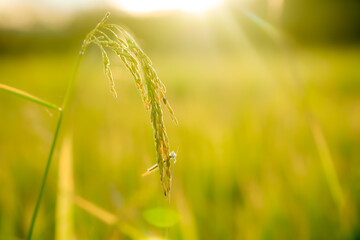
(152, 90)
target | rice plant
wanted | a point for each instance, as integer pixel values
(116, 39)
(112, 37)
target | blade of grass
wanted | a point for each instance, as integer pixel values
(64, 227)
(108, 218)
(28, 96)
(326, 161)
(98, 212)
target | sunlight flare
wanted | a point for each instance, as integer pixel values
(145, 6)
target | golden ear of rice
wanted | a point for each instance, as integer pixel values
(152, 90)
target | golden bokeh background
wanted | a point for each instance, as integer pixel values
(267, 97)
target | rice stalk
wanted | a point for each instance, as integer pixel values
(44, 179)
(61, 110)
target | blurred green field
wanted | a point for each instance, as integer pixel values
(248, 166)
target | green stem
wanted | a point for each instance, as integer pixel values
(47, 168)
(58, 125)
(28, 96)
(71, 82)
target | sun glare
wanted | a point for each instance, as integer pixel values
(147, 6)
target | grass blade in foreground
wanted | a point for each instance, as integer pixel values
(108, 218)
(28, 96)
(64, 227)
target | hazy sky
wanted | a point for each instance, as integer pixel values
(56, 13)
(60, 5)
(53, 13)
(132, 5)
